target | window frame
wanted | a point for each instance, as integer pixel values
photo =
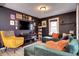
(54, 19)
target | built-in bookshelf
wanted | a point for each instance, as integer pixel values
(39, 32)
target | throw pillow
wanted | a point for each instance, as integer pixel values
(51, 44)
(55, 35)
(61, 44)
(57, 45)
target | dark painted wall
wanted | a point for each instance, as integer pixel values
(67, 22)
(5, 19)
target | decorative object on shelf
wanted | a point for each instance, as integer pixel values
(29, 18)
(39, 36)
(39, 33)
(44, 24)
(39, 26)
(12, 16)
(39, 29)
(24, 17)
(34, 24)
(12, 22)
(16, 24)
(16, 27)
(18, 16)
(31, 27)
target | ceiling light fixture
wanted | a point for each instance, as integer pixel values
(43, 8)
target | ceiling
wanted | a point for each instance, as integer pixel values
(32, 8)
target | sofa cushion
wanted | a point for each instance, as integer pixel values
(64, 38)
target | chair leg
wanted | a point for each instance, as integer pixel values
(14, 50)
(2, 51)
(5, 49)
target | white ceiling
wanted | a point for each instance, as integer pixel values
(32, 8)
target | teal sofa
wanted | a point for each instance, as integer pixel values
(41, 50)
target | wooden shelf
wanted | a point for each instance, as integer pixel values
(40, 27)
(66, 23)
(39, 31)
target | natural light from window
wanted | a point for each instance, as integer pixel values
(53, 26)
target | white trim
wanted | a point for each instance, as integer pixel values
(77, 16)
(57, 22)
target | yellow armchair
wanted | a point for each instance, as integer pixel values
(10, 40)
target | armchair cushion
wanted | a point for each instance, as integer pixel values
(8, 33)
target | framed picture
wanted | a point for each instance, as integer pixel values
(11, 22)
(18, 16)
(29, 18)
(44, 24)
(24, 17)
(12, 16)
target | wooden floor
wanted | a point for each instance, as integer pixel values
(10, 52)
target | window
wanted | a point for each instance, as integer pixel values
(53, 26)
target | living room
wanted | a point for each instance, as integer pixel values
(39, 29)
